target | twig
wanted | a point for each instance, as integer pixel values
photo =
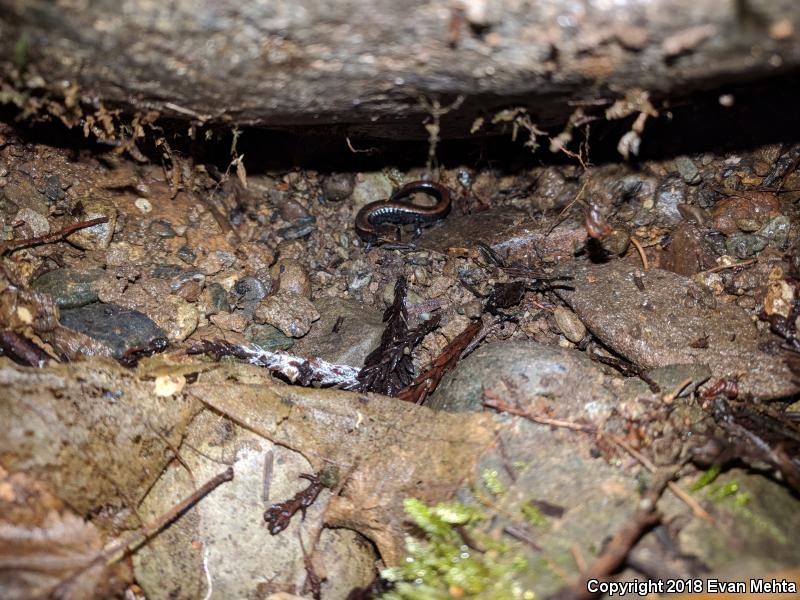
(698, 510)
(640, 250)
(522, 536)
(11, 245)
(21, 349)
(491, 401)
(566, 208)
(670, 397)
(718, 268)
(498, 404)
(120, 548)
(429, 379)
(613, 556)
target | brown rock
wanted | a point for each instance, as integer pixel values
(657, 327)
(292, 277)
(291, 313)
(748, 206)
(688, 252)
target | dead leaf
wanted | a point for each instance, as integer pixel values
(385, 450)
(46, 550)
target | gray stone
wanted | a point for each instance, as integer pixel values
(687, 169)
(358, 334)
(529, 371)
(69, 288)
(217, 297)
(745, 245)
(776, 231)
(119, 329)
(223, 539)
(97, 236)
(338, 186)
(660, 325)
(671, 193)
(268, 337)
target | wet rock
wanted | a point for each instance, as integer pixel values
(37, 223)
(371, 187)
(670, 194)
(586, 498)
(184, 318)
(565, 378)
(688, 252)
(118, 329)
(745, 245)
(779, 298)
(69, 288)
(186, 255)
(358, 333)
(569, 324)
(687, 170)
(248, 293)
(660, 325)
(268, 337)
(120, 254)
(682, 380)
(52, 188)
(161, 228)
(257, 257)
(228, 526)
(99, 236)
(291, 313)
(300, 230)
(230, 321)
(292, 277)
(291, 210)
(338, 186)
(760, 207)
(776, 232)
(214, 299)
(506, 230)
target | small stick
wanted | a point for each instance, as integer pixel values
(640, 250)
(11, 245)
(120, 548)
(698, 510)
(577, 556)
(718, 268)
(497, 404)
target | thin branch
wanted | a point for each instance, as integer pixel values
(57, 236)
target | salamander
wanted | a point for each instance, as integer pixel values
(372, 221)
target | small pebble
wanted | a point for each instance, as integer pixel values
(98, 236)
(143, 204)
(569, 324)
(291, 277)
(291, 313)
(687, 170)
(36, 222)
(338, 186)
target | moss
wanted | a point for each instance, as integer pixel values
(442, 565)
(491, 479)
(706, 478)
(533, 515)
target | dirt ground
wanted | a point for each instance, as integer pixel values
(610, 365)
